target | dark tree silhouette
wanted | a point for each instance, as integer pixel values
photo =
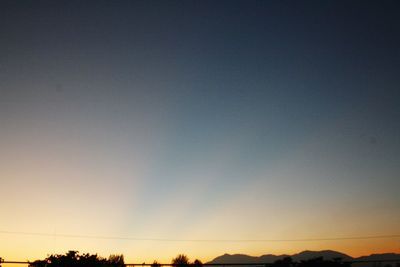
(74, 259)
(180, 261)
(155, 264)
(116, 260)
(197, 263)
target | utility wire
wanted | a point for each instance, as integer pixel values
(201, 240)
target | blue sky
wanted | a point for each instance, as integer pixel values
(199, 120)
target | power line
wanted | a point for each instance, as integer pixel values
(201, 240)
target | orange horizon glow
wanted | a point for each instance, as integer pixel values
(207, 253)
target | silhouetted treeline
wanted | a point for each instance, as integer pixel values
(183, 261)
(317, 262)
(74, 259)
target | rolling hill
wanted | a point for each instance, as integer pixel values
(304, 255)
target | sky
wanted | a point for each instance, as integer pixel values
(201, 124)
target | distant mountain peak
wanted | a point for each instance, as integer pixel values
(326, 254)
(304, 255)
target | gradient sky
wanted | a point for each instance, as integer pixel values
(199, 120)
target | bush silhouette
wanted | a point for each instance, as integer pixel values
(116, 260)
(197, 263)
(73, 258)
(180, 261)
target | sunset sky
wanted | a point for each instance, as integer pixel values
(201, 124)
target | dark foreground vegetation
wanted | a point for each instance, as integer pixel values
(74, 259)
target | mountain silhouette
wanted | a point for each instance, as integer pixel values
(326, 254)
(272, 258)
(304, 255)
(377, 257)
(235, 258)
